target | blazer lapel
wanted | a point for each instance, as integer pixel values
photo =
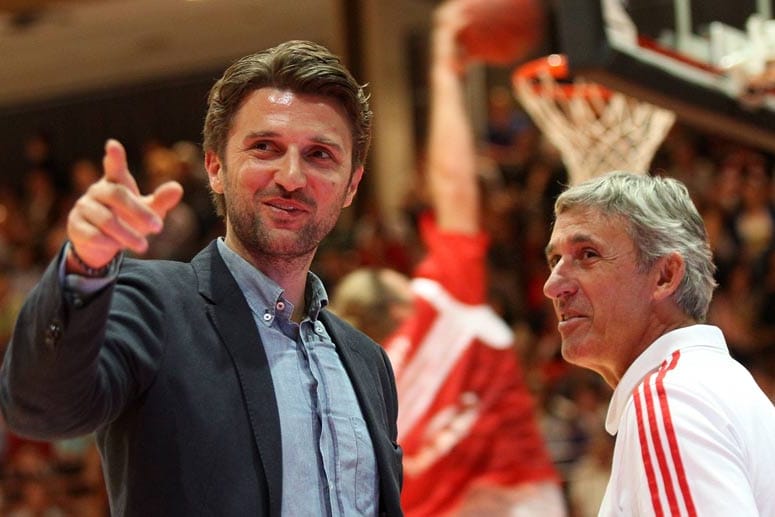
(231, 316)
(364, 380)
(368, 387)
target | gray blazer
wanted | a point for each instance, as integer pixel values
(167, 366)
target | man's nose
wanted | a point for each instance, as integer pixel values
(290, 175)
(559, 282)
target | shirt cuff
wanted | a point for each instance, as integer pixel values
(83, 286)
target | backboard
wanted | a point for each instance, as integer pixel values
(699, 58)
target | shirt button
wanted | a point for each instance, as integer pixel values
(267, 317)
(280, 306)
(319, 328)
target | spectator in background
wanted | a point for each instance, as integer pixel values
(589, 475)
(505, 126)
(734, 308)
(33, 488)
(39, 155)
(180, 237)
(468, 423)
(763, 370)
(754, 220)
(11, 299)
(83, 172)
(766, 314)
(193, 178)
(40, 205)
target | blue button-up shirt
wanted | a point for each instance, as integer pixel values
(329, 467)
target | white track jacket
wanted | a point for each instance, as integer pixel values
(695, 435)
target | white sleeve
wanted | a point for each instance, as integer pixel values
(678, 454)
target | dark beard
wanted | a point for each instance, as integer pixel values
(257, 241)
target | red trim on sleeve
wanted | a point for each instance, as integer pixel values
(649, 425)
(644, 451)
(671, 436)
(653, 426)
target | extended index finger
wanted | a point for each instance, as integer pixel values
(116, 167)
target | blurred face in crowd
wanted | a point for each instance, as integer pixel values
(601, 298)
(286, 173)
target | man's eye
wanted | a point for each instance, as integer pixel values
(589, 254)
(552, 261)
(262, 146)
(320, 154)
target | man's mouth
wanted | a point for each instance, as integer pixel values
(286, 206)
(567, 316)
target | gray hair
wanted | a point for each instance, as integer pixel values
(661, 219)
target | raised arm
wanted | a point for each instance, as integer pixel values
(451, 171)
(61, 376)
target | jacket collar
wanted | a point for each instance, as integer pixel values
(230, 315)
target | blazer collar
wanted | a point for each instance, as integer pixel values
(358, 367)
(228, 311)
(230, 315)
(371, 391)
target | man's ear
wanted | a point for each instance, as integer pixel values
(352, 188)
(670, 271)
(214, 168)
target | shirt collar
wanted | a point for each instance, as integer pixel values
(263, 294)
(651, 358)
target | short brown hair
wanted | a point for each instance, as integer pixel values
(299, 66)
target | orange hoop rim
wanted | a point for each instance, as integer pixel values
(556, 66)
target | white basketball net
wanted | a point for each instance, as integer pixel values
(595, 130)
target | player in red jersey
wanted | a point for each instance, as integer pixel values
(467, 423)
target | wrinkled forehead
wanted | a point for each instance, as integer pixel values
(583, 224)
(591, 217)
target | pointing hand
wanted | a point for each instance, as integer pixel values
(112, 215)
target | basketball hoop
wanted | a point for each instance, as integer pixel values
(596, 130)
(757, 90)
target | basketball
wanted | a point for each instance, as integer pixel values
(501, 31)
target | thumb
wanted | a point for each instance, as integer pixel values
(165, 198)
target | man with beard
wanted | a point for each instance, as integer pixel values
(221, 386)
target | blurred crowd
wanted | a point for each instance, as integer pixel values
(521, 173)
